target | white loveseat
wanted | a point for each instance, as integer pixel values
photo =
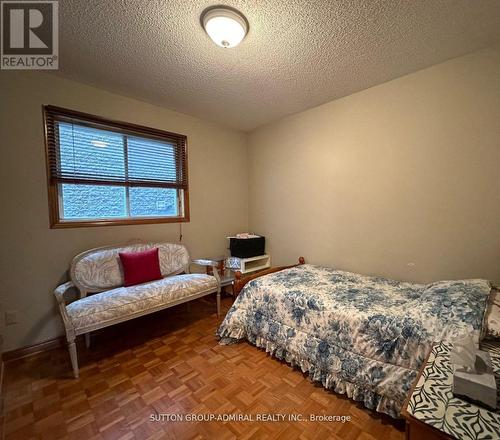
(98, 271)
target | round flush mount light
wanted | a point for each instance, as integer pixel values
(224, 25)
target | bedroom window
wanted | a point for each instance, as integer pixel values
(103, 172)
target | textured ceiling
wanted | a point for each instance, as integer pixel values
(298, 54)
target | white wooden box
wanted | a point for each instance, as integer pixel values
(246, 265)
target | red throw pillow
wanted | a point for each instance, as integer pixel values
(140, 267)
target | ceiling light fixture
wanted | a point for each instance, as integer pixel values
(224, 25)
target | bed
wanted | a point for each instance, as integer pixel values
(358, 335)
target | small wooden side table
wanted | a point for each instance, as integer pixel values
(433, 412)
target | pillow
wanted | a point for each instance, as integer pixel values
(140, 267)
(493, 315)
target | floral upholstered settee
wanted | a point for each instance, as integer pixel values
(98, 271)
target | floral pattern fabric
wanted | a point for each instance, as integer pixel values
(96, 310)
(101, 269)
(359, 335)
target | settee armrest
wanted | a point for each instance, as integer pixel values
(61, 290)
(59, 293)
(209, 263)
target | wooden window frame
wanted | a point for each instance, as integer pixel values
(53, 186)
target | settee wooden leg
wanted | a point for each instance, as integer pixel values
(218, 303)
(87, 340)
(74, 357)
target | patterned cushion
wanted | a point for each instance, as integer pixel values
(101, 269)
(135, 300)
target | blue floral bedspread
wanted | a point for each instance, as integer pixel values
(359, 335)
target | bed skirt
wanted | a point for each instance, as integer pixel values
(329, 380)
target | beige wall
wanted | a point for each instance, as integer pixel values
(401, 180)
(34, 258)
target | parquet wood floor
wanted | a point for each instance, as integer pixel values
(170, 363)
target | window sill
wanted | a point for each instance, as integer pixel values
(62, 224)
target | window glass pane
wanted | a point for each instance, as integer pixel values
(93, 201)
(151, 160)
(91, 152)
(145, 202)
